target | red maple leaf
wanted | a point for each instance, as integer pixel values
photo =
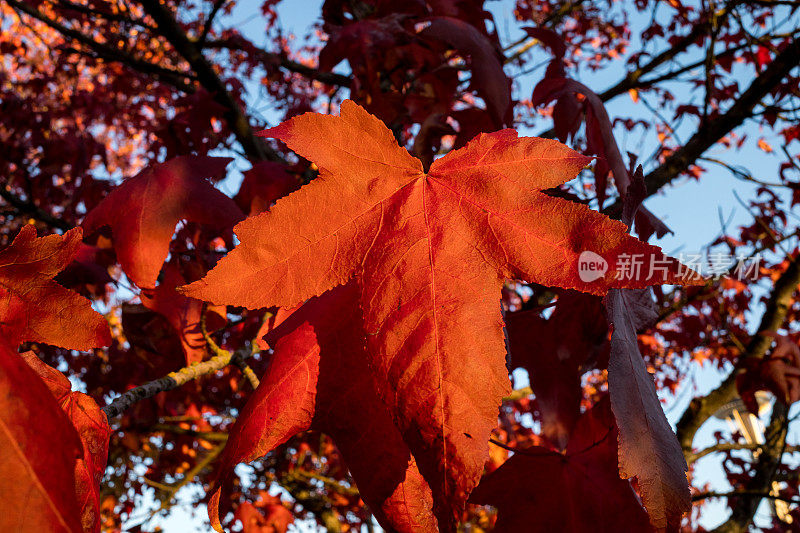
(430, 253)
(539, 490)
(63, 487)
(33, 307)
(39, 453)
(144, 210)
(92, 426)
(319, 379)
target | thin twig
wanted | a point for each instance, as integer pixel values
(518, 394)
(171, 490)
(211, 436)
(220, 352)
(210, 21)
(712, 131)
(729, 446)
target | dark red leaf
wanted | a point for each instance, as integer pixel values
(538, 490)
(144, 210)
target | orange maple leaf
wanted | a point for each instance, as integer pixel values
(430, 253)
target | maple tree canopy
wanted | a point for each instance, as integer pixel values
(362, 265)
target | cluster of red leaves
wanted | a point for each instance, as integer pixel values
(47, 488)
(410, 324)
(407, 67)
(403, 60)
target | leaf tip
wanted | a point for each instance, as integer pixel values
(213, 509)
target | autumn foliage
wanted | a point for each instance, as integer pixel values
(387, 302)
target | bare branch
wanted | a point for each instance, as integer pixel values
(713, 130)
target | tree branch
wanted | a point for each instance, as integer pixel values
(219, 352)
(213, 436)
(633, 79)
(741, 493)
(271, 58)
(210, 20)
(713, 130)
(518, 394)
(702, 408)
(87, 10)
(253, 146)
(760, 484)
(305, 476)
(729, 446)
(171, 490)
(109, 53)
(171, 381)
(29, 208)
